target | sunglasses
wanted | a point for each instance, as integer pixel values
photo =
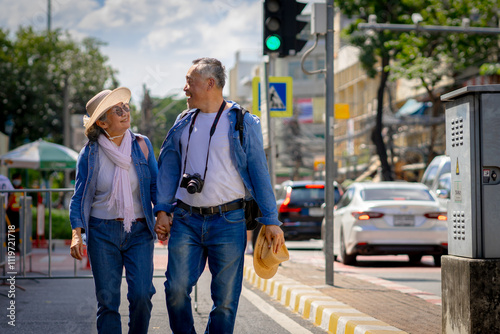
(120, 111)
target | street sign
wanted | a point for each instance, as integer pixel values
(280, 96)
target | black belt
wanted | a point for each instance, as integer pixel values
(137, 219)
(235, 205)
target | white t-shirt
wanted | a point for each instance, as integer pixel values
(223, 183)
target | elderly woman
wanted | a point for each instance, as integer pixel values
(112, 204)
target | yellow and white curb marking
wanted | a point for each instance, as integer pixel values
(323, 310)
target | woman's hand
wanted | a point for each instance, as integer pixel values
(163, 224)
(76, 249)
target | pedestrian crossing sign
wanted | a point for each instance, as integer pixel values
(280, 96)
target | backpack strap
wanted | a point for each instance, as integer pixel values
(144, 147)
(240, 115)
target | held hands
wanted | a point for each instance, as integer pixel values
(163, 225)
(275, 237)
(76, 249)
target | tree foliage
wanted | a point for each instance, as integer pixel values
(34, 70)
(418, 55)
(376, 52)
(430, 57)
(156, 122)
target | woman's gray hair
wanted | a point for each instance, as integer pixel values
(95, 130)
(211, 68)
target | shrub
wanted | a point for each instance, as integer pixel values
(61, 228)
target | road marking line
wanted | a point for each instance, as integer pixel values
(398, 287)
(280, 318)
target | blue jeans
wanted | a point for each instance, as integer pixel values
(194, 238)
(110, 248)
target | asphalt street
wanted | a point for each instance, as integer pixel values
(68, 305)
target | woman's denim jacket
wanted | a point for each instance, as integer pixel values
(249, 160)
(86, 181)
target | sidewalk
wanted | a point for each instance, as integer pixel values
(353, 305)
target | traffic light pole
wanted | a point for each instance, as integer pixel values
(329, 156)
(269, 71)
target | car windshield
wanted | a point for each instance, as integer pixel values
(307, 194)
(400, 194)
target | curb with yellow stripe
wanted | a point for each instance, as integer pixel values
(323, 310)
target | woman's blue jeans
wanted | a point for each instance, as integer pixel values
(194, 239)
(110, 249)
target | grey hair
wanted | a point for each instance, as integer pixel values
(212, 68)
(95, 130)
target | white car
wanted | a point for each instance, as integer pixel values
(389, 218)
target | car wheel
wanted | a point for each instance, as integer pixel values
(415, 258)
(437, 260)
(345, 259)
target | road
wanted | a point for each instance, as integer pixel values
(396, 269)
(62, 306)
(257, 311)
(68, 305)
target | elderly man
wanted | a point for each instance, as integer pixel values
(205, 174)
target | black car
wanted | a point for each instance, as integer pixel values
(300, 209)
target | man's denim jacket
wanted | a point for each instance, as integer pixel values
(86, 181)
(249, 160)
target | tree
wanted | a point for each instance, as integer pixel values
(161, 115)
(428, 57)
(376, 52)
(36, 69)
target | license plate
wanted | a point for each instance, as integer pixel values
(315, 212)
(404, 220)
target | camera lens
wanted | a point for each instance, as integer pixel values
(192, 186)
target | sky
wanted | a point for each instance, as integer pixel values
(151, 42)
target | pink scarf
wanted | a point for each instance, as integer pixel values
(121, 194)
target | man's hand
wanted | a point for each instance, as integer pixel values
(163, 225)
(275, 237)
(76, 249)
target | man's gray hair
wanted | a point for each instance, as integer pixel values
(211, 68)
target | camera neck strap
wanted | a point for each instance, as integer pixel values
(212, 131)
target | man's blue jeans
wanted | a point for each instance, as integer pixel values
(110, 249)
(194, 238)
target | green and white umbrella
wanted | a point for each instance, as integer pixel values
(40, 155)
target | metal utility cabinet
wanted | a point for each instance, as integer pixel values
(471, 272)
(473, 144)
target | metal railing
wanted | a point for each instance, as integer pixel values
(7, 254)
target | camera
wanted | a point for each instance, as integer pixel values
(192, 183)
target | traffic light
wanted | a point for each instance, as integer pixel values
(281, 27)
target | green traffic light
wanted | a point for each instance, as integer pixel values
(273, 42)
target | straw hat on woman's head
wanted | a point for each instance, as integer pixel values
(265, 261)
(101, 102)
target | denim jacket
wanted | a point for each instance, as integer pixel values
(249, 160)
(86, 182)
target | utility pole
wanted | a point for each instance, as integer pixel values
(67, 140)
(49, 14)
(268, 67)
(146, 113)
(329, 156)
(322, 24)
